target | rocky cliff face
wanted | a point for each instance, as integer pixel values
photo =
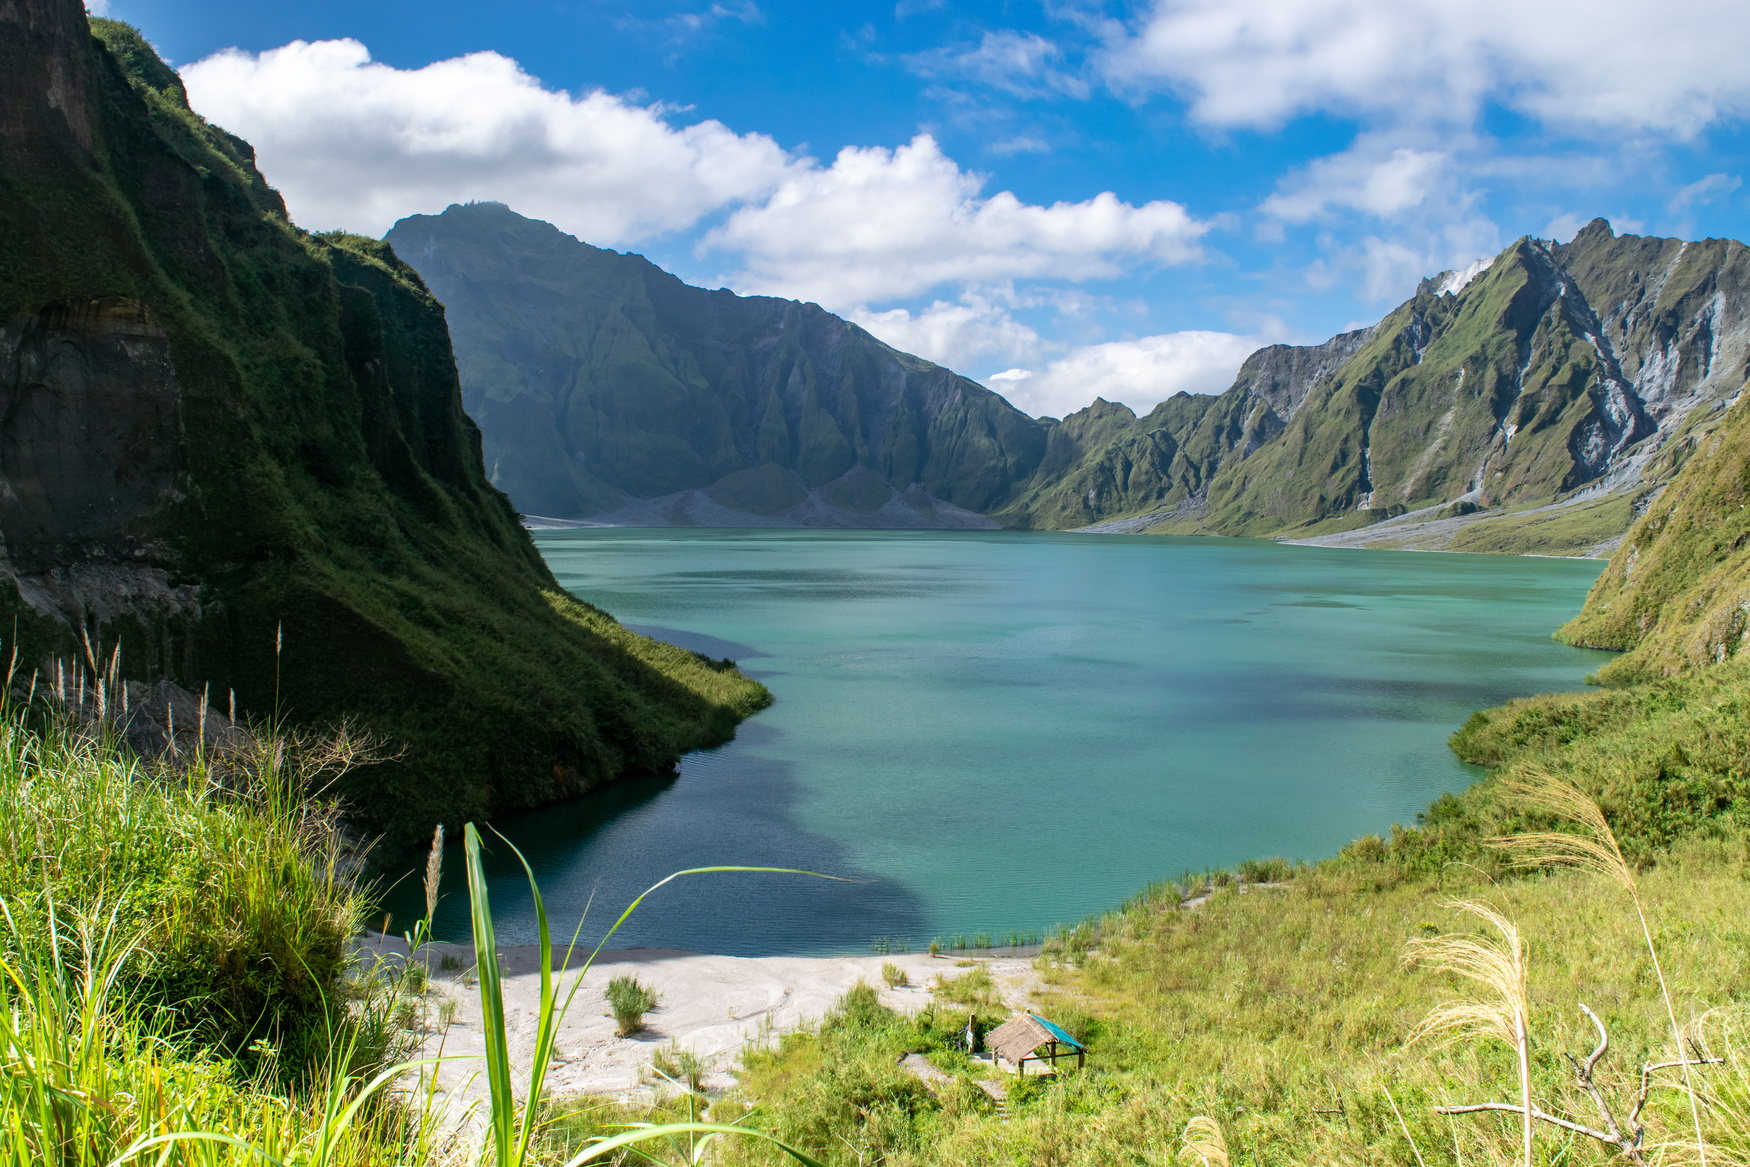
(214, 426)
(608, 389)
(1676, 596)
(1557, 371)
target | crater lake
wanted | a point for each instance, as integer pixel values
(998, 732)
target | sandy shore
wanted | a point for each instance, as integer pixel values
(715, 1006)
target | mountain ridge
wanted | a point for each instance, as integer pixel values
(1550, 375)
(599, 378)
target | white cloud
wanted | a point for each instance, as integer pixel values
(1384, 186)
(954, 334)
(1140, 373)
(356, 144)
(97, 7)
(879, 225)
(1017, 63)
(1673, 67)
(1704, 191)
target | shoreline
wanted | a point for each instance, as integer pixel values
(717, 1007)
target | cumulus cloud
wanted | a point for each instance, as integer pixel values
(879, 225)
(357, 144)
(1673, 67)
(954, 334)
(1140, 373)
(1401, 180)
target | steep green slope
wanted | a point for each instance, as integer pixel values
(218, 426)
(598, 377)
(1677, 592)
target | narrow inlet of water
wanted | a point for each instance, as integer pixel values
(992, 732)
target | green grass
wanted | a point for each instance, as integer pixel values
(174, 986)
(220, 881)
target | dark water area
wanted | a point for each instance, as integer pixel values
(995, 732)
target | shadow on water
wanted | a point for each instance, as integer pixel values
(729, 806)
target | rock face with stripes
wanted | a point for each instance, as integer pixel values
(1552, 369)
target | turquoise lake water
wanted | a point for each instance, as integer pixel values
(1002, 731)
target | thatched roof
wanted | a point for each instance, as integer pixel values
(1023, 1033)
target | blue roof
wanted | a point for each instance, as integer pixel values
(1059, 1034)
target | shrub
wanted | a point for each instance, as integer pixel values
(217, 871)
(681, 1066)
(1265, 870)
(629, 1001)
(859, 1009)
(894, 976)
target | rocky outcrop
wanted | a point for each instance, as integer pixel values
(601, 382)
(90, 431)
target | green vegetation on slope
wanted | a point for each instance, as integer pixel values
(208, 882)
(1677, 594)
(309, 465)
(1558, 366)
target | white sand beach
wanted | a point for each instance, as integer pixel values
(714, 1006)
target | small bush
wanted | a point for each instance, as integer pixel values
(629, 1001)
(962, 1096)
(894, 976)
(681, 1066)
(859, 1009)
(1265, 870)
(973, 988)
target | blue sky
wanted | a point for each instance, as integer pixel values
(1060, 200)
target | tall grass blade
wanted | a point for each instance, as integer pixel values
(501, 1103)
(511, 1144)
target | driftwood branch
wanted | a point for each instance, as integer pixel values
(1627, 1144)
(1539, 1115)
(1652, 1068)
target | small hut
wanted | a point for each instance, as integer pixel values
(1020, 1039)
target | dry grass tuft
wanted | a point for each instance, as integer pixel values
(1597, 851)
(1498, 966)
(1203, 1143)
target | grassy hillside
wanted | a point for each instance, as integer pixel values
(298, 466)
(1676, 597)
